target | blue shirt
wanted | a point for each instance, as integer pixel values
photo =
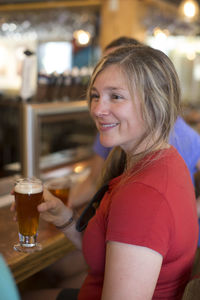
(183, 137)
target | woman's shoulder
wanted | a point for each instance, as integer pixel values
(159, 174)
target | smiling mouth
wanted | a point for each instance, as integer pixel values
(111, 125)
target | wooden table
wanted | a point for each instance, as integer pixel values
(54, 246)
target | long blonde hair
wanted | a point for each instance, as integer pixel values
(151, 76)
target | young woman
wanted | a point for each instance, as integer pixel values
(141, 242)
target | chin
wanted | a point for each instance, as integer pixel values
(106, 143)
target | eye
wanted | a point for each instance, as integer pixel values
(116, 96)
(94, 97)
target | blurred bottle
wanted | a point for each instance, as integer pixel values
(76, 84)
(59, 86)
(42, 87)
(52, 78)
(66, 86)
(85, 78)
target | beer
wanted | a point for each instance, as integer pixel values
(60, 188)
(61, 193)
(28, 195)
(26, 206)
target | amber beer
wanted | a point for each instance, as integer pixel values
(61, 193)
(28, 195)
(60, 188)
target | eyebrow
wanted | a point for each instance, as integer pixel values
(109, 88)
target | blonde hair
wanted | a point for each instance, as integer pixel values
(151, 76)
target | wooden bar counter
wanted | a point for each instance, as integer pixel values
(54, 246)
(54, 243)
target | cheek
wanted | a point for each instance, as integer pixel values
(134, 119)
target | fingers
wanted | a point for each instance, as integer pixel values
(47, 205)
(50, 203)
(13, 207)
(73, 195)
(15, 218)
(69, 204)
(47, 196)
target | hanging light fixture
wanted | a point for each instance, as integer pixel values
(82, 37)
(189, 10)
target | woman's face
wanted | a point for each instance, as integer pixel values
(117, 116)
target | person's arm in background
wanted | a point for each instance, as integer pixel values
(82, 192)
(187, 142)
(195, 159)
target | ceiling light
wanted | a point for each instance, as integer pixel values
(82, 37)
(189, 9)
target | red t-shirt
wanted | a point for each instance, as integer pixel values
(156, 209)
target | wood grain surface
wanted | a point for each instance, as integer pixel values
(54, 246)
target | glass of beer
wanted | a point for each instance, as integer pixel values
(28, 195)
(59, 187)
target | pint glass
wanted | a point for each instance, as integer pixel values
(28, 195)
(60, 188)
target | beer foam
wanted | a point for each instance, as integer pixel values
(28, 188)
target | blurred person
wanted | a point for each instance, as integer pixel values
(141, 241)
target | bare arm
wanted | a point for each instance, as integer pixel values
(83, 191)
(131, 272)
(54, 211)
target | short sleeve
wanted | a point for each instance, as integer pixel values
(140, 215)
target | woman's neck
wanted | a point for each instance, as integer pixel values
(132, 157)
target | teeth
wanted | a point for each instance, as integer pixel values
(109, 125)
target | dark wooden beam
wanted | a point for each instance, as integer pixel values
(49, 5)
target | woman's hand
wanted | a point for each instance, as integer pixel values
(53, 210)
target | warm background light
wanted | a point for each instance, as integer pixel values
(82, 37)
(189, 9)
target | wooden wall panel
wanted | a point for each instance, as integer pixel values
(122, 17)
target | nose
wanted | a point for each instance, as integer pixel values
(99, 108)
